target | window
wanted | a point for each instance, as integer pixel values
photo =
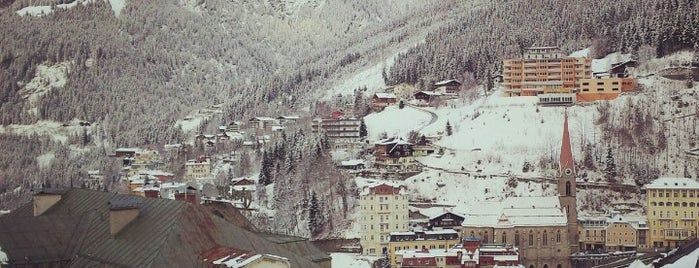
(504, 238)
(531, 238)
(544, 239)
(558, 236)
(653, 203)
(567, 188)
(516, 238)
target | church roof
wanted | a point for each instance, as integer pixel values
(516, 211)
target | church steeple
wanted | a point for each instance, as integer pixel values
(566, 159)
(567, 187)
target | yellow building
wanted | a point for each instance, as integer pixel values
(626, 233)
(383, 210)
(672, 207)
(607, 88)
(197, 168)
(419, 240)
(541, 69)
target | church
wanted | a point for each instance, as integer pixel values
(544, 229)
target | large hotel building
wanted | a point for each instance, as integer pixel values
(673, 209)
(544, 70)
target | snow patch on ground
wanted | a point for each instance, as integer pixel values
(48, 77)
(44, 160)
(191, 122)
(395, 121)
(690, 260)
(351, 260)
(3, 257)
(56, 130)
(38, 11)
(117, 6)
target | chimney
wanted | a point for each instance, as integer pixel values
(121, 213)
(45, 199)
(189, 195)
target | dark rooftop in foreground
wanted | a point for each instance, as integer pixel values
(75, 232)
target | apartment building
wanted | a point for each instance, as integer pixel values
(592, 229)
(339, 130)
(542, 70)
(383, 210)
(673, 209)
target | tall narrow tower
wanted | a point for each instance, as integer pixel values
(567, 188)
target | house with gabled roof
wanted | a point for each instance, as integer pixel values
(394, 154)
(450, 87)
(85, 228)
(381, 100)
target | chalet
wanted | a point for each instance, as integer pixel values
(447, 220)
(394, 154)
(235, 126)
(425, 97)
(243, 184)
(381, 100)
(125, 152)
(262, 123)
(417, 219)
(285, 119)
(354, 164)
(621, 69)
(86, 228)
(448, 86)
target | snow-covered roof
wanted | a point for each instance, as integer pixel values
(431, 93)
(157, 173)
(352, 162)
(394, 140)
(289, 117)
(516, 211)
(433, 232)
(444, 82)
(673, 183)
(262, 118)
(382, 95)
(278, 128)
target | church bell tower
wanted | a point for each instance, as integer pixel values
(567, 188)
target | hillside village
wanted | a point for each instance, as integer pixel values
(400, 152)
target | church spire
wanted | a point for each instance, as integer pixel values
(566, 159)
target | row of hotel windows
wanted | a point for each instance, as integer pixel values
(383, 227)
(599, 89)
(669, 224)
(383, 207)
(382, 218)
(384, 198)
(423, 247)
(675, 194)
(670, 204)
(544, 238)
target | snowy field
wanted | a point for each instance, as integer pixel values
(395, 122)
(37, 11)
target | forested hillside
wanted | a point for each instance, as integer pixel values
(136, 74)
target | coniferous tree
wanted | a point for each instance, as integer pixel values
(265, 177)
(610, 170)
(314, 222)
(363, 130)
(448, 129)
